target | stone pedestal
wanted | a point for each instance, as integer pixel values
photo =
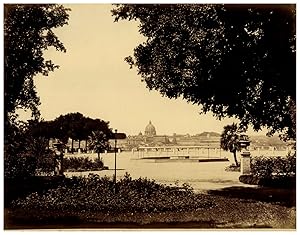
(245, 163)
(58, 168)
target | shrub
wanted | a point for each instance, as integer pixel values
(82, 164)
(94, 193)
(46, 163)
(25, 155)
(15, 188)
(274, 167)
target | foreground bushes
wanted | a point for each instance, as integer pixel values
(94, 193)
(272, 171)
(82, 164)
(274, 167)
(25, 155)
(15, 188)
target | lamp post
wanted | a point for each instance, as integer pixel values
(116, 136)
(245, 155)
(115, 178)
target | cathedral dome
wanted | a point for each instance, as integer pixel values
(150, 129)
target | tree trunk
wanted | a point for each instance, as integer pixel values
(234, 155)
(98, 156)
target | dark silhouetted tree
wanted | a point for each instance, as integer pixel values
(75, 126)
(28, 32)
(230, 140)
(98, 141)
(233, 60)
(71, 126)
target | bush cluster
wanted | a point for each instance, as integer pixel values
(25, 156)
(82, 164)
(94, 193)
(274, 167)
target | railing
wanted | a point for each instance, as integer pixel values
(178, 151)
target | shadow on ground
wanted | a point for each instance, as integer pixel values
(286, 197)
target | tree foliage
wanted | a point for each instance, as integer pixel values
(98, 141)
(28, 32)
(74, 126)
(274, 167)
(234, 60)
(26, 146)
(25, 154)
(230, 139)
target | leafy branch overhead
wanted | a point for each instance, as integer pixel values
(234, 60)
(28, 32)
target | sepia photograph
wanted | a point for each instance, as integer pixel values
(149, 116)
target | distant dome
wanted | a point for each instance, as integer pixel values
(150, 129)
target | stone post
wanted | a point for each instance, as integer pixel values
(245, 155)
(59, 159)
(245, 163)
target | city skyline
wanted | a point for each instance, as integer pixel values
(94, 79)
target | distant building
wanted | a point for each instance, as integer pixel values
(205, 139)
(151, 138)
(150, 130)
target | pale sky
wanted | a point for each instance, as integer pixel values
(94, 79)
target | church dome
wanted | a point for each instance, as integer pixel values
(150, 129)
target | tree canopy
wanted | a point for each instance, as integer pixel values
(233, 60)
(71, 125)
(28, 32)
(98, 141)
(230, 140)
